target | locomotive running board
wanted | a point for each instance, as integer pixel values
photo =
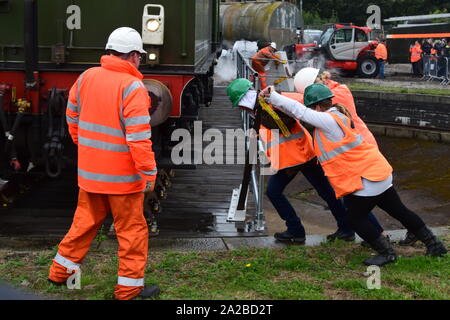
(235, 215)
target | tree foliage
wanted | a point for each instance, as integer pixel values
(355, 11)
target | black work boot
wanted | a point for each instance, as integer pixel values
(435, 247)
(59, 284)
(148, 292)
(341, 235)
(409, 240)
(365, 244)
(286, 236)
(384, 248)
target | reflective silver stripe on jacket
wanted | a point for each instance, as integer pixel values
(279, 140)
(101, 129)
(150, 173)
(102, 145)
(78, 91)
(122, 120)
(344, 118)
(108, 177)
(130, 282)
(72, 119)
(72, 107)
(128, 90)
(66, 262)
(145, 135)
(339, 150)
(133, 121)
(333, 153)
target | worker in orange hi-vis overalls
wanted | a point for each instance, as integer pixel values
(108, 119)
(262, 58)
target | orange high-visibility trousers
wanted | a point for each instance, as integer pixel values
(258, 66)
(263, 79)
(132, 235)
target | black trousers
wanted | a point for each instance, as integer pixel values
(416, 68)
(389, 201)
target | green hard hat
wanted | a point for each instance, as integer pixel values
(237, 90)
(316, 93)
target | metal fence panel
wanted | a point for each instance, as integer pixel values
(436, 68)
(245, 70)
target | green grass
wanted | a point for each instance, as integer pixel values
(328, 271)
(371, 87)
(359, 288)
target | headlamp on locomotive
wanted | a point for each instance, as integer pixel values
(153, 31)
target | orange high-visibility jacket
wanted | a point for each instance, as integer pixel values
(108, 118)
(294, 96)
(342, 95)
(347, 161)
(262, 58)
(415, 53)
(287, 152)
(381, 52)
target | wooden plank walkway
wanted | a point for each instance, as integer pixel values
(202, 196)
(197, 203)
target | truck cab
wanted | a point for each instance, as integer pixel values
(349, 48)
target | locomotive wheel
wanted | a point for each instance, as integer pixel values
(161, 100)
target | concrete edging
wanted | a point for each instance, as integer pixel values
(210, 244)
(378, 127)
(406, 97)
(409, 133)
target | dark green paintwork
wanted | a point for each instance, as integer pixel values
(185, 20)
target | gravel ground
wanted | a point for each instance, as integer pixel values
(399, 76)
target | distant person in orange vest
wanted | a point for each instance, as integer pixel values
(356, 169)
(382, 55)
(262, 58)
(416, 57)
(436, 47)
(109, 121)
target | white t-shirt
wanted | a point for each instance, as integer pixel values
(330, 128)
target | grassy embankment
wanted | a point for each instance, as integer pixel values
(329, 271)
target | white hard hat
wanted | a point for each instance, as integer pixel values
(125, 40)
(273, 45)
(305, 78)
